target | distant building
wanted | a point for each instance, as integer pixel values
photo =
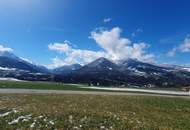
(186, 89)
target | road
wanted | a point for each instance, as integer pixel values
(36, 91)
(162, 92)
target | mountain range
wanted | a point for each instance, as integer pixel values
(101, 72)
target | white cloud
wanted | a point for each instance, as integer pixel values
(120, 48)
(73, 55)
(60, 47)
(5, 49)
(114, 48)
(183, 47)
(83, 56)
(172, 52)
(107, 20)
(57, 62)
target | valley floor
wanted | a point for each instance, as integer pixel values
(60, 88)
(93, 112)
(56, 106)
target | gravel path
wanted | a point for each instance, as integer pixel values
(163, 92)
(36, 91)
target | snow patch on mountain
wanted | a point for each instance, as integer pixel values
(137, 71)
(187, 69)
(110, 68)
(7, 69)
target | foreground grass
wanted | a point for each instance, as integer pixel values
(85, 112)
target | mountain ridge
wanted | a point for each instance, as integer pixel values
(102, 71)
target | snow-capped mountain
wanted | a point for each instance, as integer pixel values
(139, 67)
(10, 61)
(186, 69)
(129, 72)
(8, 54)
(102, 71)
(101, 64)
(66, 69)
(178, 67)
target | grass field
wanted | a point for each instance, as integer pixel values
(58, 86)
(87, 112)
(39, 85)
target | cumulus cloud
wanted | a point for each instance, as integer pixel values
(114, 48)
(107, 20)
(60, 47)
(73, 55)
(183, 47)
(172, 52)
(56, 62)
(5, 49)
(120, 48)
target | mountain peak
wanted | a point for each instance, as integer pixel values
(128, 61)
(101, 64)
(9, 60)
(67, 68)
(103, 60)
(100, 61)
(8, 54)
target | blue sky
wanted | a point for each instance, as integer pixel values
(159, 28)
